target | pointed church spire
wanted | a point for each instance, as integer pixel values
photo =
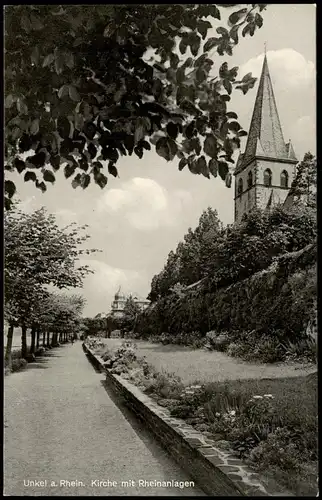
(265, 136)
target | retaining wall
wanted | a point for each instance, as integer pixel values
(216, 471)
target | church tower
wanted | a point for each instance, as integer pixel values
(265, 171)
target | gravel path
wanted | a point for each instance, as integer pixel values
(63, 424)
(210, 366)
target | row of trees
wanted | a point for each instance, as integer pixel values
(224, 255)
(87, 84)
(39, 256)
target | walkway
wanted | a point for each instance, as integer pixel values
(65, 430)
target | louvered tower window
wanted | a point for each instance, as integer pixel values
(267, 177)
(240, 186)
(250, 179)
(284, 179)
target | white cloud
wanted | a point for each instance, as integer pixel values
(289, 66)
(144, 203)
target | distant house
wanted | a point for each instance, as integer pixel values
(118, 304)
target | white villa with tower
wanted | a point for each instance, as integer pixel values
(265, 171)
(120, 298)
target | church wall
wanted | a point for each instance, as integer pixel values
(247, 200)
(263, 192)
(277, 168)
(259, 194)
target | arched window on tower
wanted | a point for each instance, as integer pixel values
(250, 179)
(240, 187)
(284, 179)
(267, 177)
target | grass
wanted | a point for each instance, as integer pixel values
(199, 366)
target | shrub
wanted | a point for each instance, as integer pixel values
(280, 449)
(303, 349)
(18, 364)
(165, 385)
(268, 350)
(218, 341)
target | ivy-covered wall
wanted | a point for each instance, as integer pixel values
(280, 299)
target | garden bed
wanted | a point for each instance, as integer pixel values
(270, 424)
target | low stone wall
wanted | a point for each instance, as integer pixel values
(216, 471)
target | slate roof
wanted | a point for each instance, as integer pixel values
(265, 137)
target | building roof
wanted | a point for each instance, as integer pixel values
(265, 137)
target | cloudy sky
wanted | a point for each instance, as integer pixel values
(140, 216)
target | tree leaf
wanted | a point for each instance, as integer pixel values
(73, 93)
(69, 170)
(112, 169)
(7, 203)
(166, 148)
(223, 169)
(42, 186)
(63, 127)
(10, 188)
(59, 63)
(235, 17)
(145, 145)
(85, 180)
(210, 146)
(234, 126)
(101, 180)
(234, 34)
(48, 60)
(76, 182)
(69, 60)
(140, 130)
(138, 150)
(91, 148)
(211, 43)
(202, 27)
(182, 163)
(213, 167)
(35, 56)
(89, 129)
(19, 165)
(9, 101)
(228, 86)
(258, 20)
(202, 167)
(49, 176)
(38, 160)
(30, 176)
(242, 133)
(34, 127)
(172, 130)
(55, 161)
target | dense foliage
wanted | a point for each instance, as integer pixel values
(211, 279)
(39, 254)
(86, 84)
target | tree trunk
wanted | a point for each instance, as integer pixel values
(54, 339)
(24, 352)
(48, 338)
(60, 337)
(33, 340)
(38, 338)
(9, 346)
(44, 338)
